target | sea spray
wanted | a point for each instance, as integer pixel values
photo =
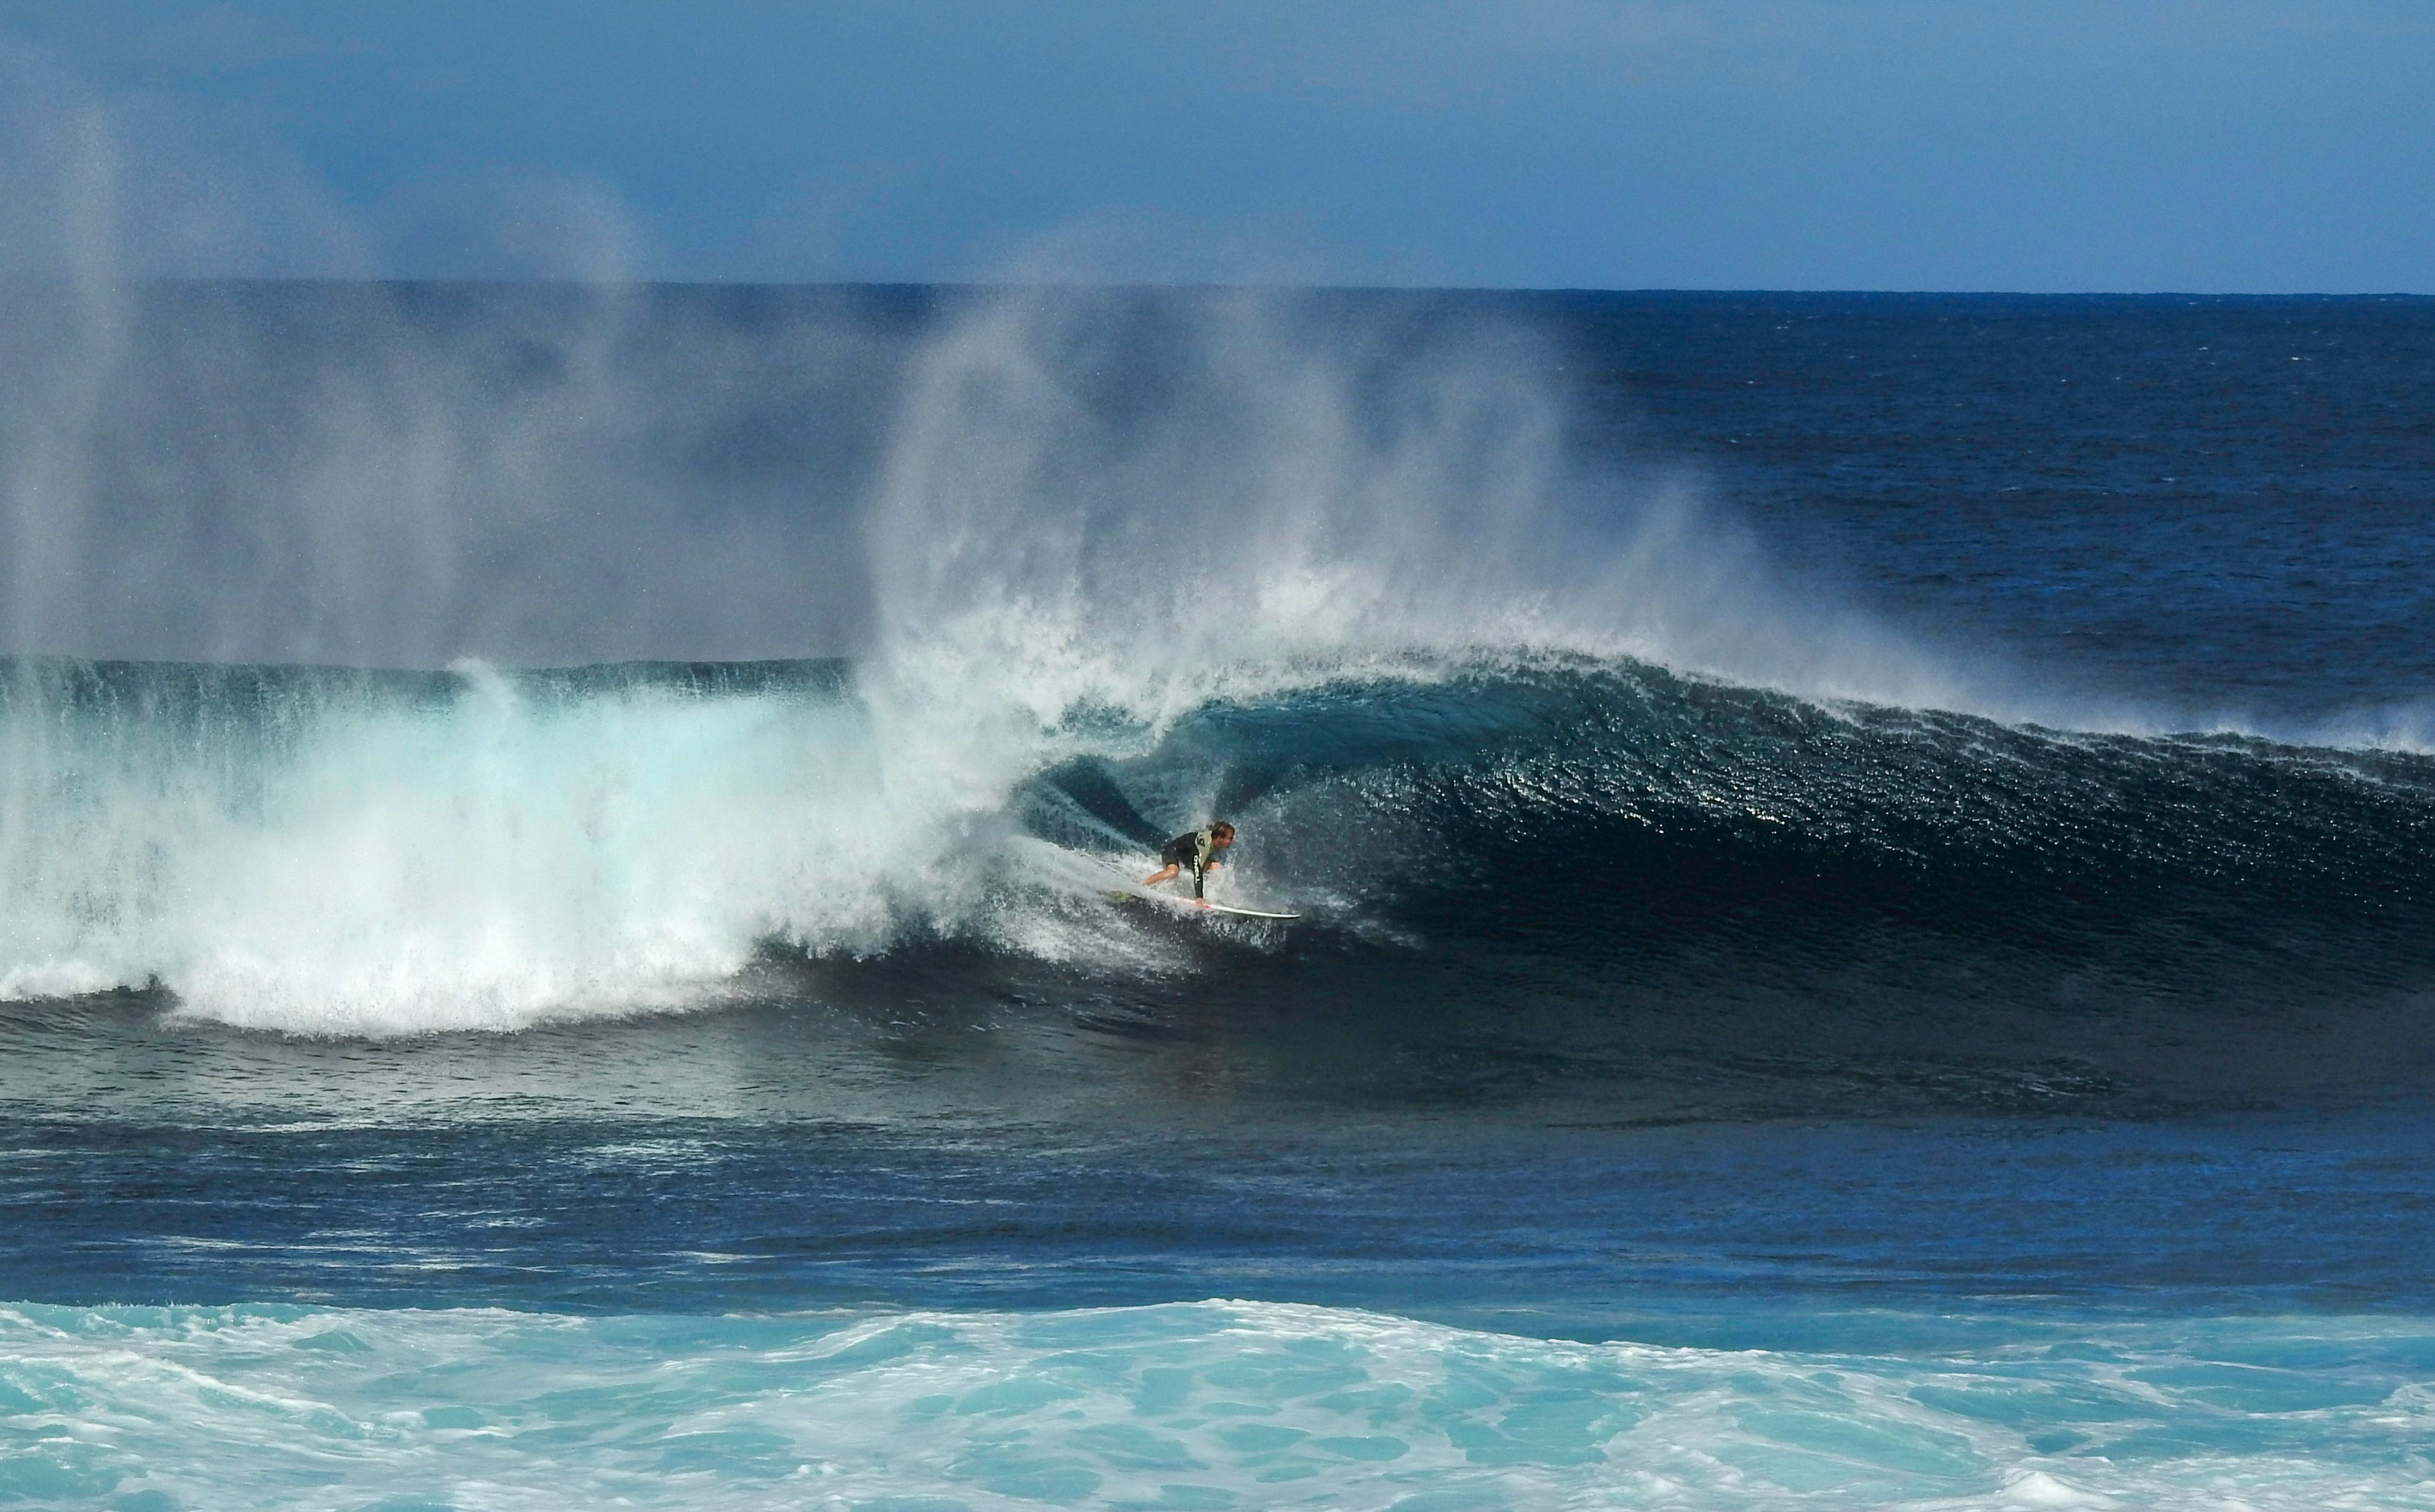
(1138, 498)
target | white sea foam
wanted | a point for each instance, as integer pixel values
(480, 864)
(1216, 1404)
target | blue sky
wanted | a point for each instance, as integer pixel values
(2037, 145)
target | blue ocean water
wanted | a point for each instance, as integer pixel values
(1865, 863)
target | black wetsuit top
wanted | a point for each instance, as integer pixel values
(1191, 850)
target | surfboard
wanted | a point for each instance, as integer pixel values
(1246, 913)
(1183, 905)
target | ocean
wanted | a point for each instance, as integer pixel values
(1867, 867)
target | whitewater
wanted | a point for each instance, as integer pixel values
(1866, 938)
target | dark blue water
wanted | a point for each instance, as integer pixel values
(2223, 502)
(1865, 865)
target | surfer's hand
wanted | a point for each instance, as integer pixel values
(1200, 902)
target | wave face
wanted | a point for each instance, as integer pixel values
(1594, 860)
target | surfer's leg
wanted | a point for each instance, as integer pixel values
(1154, 880)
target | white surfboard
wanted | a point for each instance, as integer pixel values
(1247, 913)
(1185, 905)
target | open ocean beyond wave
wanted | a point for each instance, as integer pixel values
(1866, 865)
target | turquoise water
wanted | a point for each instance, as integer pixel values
(1202, 1405)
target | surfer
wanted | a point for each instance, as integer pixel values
(1198, 851)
